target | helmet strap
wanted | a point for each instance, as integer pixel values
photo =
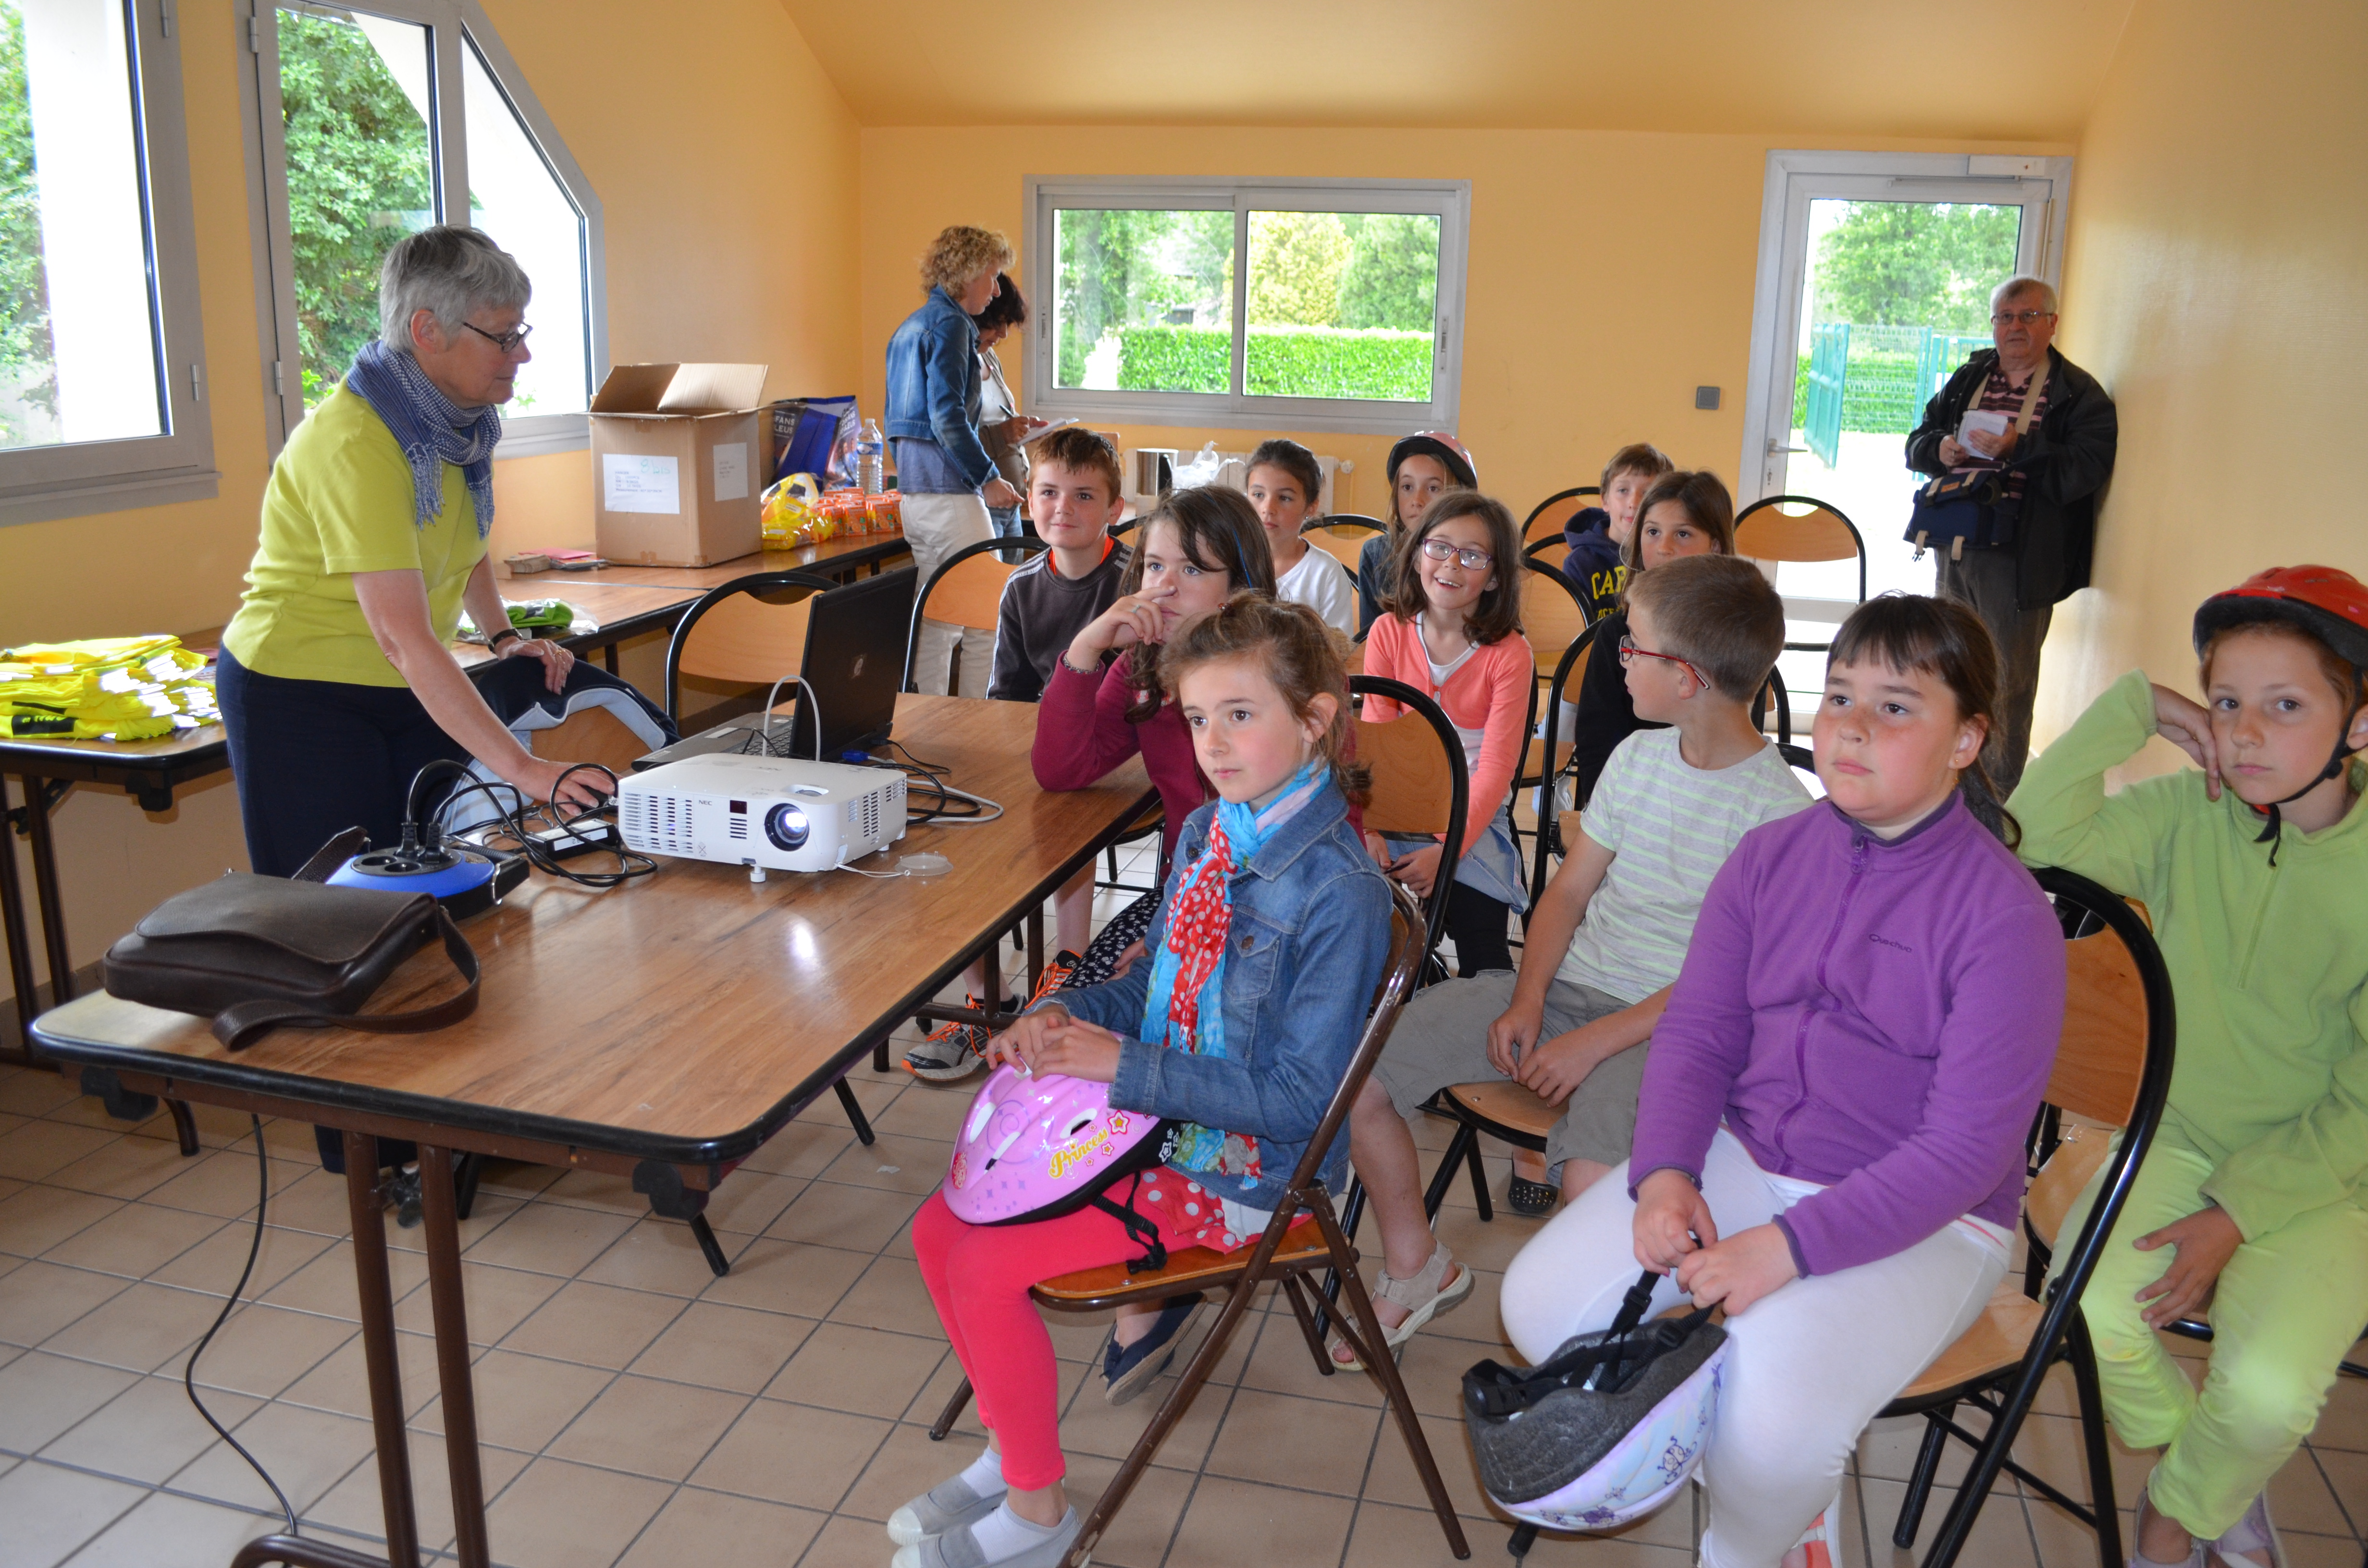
(2273, 834)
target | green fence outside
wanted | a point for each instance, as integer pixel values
(1871, 378)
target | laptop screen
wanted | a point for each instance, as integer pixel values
(854, 664)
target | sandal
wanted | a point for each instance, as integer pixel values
(2195, 1554)
(1531, 1198)
(2254, 1532)
(1127, 1370)
(1429, 1294)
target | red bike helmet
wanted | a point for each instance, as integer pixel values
(2329, 605)
(1436, 444)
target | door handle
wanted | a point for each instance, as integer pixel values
(1775, 446)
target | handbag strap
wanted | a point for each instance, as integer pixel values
(242, 1023)
(2031, 397)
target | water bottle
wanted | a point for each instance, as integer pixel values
(871, 447)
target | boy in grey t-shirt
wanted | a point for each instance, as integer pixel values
(1608, 936)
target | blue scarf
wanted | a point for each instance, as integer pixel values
(432, 429)
(1185, 1007)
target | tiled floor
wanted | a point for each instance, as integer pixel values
(638, 1412)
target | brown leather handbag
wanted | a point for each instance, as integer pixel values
(256, 952)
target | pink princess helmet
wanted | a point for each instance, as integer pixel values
(1035, 1148)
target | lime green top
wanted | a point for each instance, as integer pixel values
(338, 502)
(2269, 965)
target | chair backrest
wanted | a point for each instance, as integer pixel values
(1550, 552)
(1409, 947)
(1568, 673)
(1552, 615)
(1341, 537)
(752, 630)
(2113, 1062)
(966, 590)
(1773, 693)
(1419, 785)
(1548, 517)
(1124, 526)
(1799, 527)
(591, 734)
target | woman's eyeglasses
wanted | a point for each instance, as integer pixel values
(507, 342)
(1630, 653)
(1470, 559)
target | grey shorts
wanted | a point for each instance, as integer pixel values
(1442, 1038)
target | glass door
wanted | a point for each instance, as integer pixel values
(1875, 277)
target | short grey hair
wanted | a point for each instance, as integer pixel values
(2023, 283)
(448, 272)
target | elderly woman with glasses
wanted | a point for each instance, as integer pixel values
(336, 682)
(2051, 473)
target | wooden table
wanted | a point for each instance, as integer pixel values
(841, 557)
(621, 609)
(662, 1031)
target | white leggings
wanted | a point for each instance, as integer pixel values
(1811, 1363)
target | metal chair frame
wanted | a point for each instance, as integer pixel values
(2007, 1393)
(1304, 1237)
(1539, 510)
(755, 583)
(1020, 544)
(1763, 503)
(1420, 705)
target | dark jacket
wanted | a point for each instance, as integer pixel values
(2065, 460)
(1593, 566)
(1606, 714)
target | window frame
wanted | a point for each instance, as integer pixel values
(83, 478)
(1449, 200)
(454, 25)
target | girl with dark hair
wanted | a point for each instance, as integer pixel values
(1829, 1136)
(1105, 704)
(1453, 631)
(1681, 513)
(1001, 425)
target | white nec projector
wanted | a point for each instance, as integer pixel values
(776, 812)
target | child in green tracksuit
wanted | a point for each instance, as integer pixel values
(2254, 873)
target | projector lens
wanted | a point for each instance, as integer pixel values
(787, 827)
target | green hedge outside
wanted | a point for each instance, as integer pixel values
(1880, 397)
(1378, 364)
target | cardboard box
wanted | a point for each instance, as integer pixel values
(678, 463)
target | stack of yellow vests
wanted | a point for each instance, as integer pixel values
(104, 689)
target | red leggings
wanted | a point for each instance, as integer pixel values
(978, 1278)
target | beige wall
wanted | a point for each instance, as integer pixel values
(1610, 273)
(714, 142)
(2216, 283)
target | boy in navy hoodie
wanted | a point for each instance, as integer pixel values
(1595, 533)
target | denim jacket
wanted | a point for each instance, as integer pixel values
(933, 388)
(1310, 934)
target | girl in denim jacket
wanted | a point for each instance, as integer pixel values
(1269, 936)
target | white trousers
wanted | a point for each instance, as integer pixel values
(935, 526)
(1809, 1365)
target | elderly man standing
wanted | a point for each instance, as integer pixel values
(2051, 474)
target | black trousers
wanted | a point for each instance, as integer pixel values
(1475, 924)
(313, 758)
(1984, 582)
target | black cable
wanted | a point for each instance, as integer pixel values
(538, 854)
(189, 1371)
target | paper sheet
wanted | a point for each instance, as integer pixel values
(731, 471)
(630, 483)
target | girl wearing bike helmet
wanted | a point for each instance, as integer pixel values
(2253, 1198)
(1421, 467)
(1269, 937)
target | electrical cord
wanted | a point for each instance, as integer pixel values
(518, 813)
(189, 1370)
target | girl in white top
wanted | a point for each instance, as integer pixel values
(1284, 483)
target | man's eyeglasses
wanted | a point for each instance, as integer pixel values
(1472, 560)
(507, 342)
(2008, 318)
(1630, 653)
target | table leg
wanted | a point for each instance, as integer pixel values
(45, 892)
(378, 1350)
(609, 656)
(12, 917)
(451, 1308)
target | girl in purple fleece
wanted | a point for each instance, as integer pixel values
(1829, 1137)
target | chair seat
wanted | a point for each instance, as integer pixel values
(1503, 1103)
(1187, 1269)
(1533, 758)
(1997, 1340)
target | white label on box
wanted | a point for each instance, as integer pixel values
(632, 484)
(731, 471)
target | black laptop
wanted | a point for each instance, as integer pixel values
(854, 665)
